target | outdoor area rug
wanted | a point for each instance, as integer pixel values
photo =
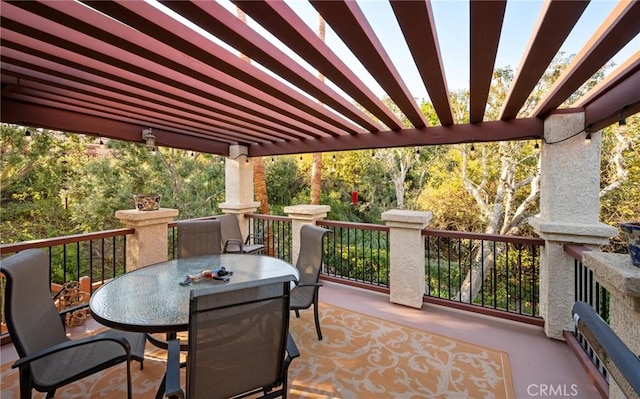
(359, 357)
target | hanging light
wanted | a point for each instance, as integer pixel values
(473, 148)
(622, 121)
(149, 139)
(536, 145)
(587, 138)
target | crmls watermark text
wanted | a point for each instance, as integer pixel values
(552, 390)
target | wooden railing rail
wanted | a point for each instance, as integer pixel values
(55, 241)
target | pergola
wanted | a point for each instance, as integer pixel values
(114, 69)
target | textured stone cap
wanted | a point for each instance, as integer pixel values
(614, 271)
(407, 219)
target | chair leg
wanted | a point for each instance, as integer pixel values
(297, 313)
(128, 379)
(25, 384)
(317, 319)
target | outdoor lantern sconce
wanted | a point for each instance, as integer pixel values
(149, 138)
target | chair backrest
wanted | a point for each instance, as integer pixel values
(32, 318)
(237, 337)
(199, 237)
(311, 253)
(230, 228)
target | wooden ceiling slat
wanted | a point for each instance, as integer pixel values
(556, 20)
(223, 132)
(485, 26)
(215, 19)
(163, 104)
(83, 67)
(221, 85)
(617, 98)
(290, 29)
(348, 21)
(155, 24)
(113, 68)
(621, 72)
(416, 22)
(620, 27)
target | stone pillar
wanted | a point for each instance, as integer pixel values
(239, 186)
(301, 215)
(569, 213)
(149, 244)
(406, 255)
(616, 273)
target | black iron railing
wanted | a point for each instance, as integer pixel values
(100, 256)
(91, 259)
(484, 270)
(274, 232)
(357, 252)
(588, 290)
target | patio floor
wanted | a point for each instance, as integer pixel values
(540, 367)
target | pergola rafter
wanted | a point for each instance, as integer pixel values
(113, 69)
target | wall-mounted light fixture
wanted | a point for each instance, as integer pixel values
(149, 138)
(622, 121)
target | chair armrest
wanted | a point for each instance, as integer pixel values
(309, 285)
(292, 348)
(172, 384)
(106, 336)
(233, 241)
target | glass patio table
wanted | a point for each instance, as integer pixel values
(151, 300)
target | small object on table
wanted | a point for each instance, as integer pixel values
(217, 274)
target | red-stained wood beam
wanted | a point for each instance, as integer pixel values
(619, 101)
(54, 60)
(556, 20)
(279, 19)
(348, 21)
(416, 22)
(109, 114)
(156, 24)
(35, 75)
(619, 28)
(485, 25)
(148, 52)
(51, 118)
(215, 19)
(516, 129)
(225, 133)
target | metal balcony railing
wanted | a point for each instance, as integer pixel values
(355, 254)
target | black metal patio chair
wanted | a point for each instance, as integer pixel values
(48, 359)
(239, 342)
(232, 240)
(309, 263)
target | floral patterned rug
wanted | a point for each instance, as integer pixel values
(359, 357)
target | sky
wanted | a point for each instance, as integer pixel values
(452, 24)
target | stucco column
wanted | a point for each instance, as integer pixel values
(238, 185)
(406, 255)
(149, 244)
(301, 215)
(616, 273)
(569, 210)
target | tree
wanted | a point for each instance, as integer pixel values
(316, 169)
(510, 196)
